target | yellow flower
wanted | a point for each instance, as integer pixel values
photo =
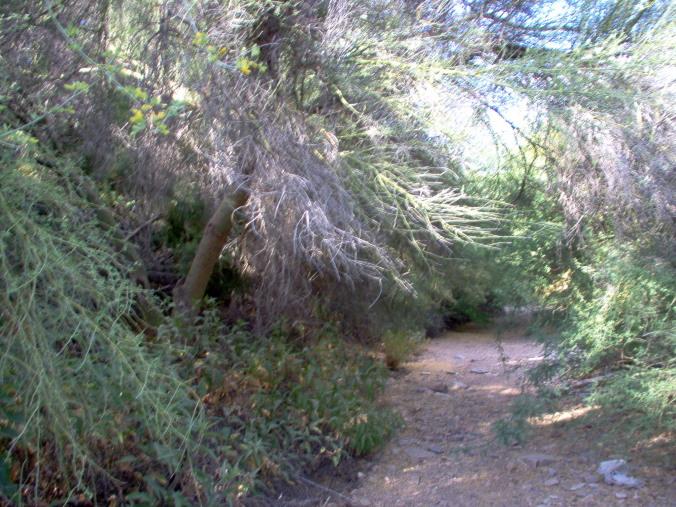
(146, 107)
(160, 115)
(200, 39)
(137, 116)
(244, 66)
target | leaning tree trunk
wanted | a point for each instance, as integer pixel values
(188, 294)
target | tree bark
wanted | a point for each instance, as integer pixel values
(188, 294)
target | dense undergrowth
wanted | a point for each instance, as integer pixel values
(619, 325)
(603, 308)
(339, 150)
(94, 409)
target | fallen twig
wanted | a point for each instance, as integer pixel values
(141, 227)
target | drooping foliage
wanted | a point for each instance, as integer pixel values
(592, 186)
(285, 101)
(395, 164)
(92, 408)
(77, 378)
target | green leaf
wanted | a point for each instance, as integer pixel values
(138, 127)
(162, 129)
(140, 94)
(77, 86)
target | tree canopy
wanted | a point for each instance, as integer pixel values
(193, 187)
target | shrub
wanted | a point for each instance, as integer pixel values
(624, 326)
(91, 408)
(81, 388)
(303, 403)
(613, 318)
(398, 346)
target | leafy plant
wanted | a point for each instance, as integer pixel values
(85, 385)
(398, 346)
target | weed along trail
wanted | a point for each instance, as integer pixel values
(447, 455)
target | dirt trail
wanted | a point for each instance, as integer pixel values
(446, 455)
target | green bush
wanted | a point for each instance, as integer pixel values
(81, 388)
(612, 318)
(398, 346)
(605, 306)
(90, 408)
(623, 326)
(302, 403)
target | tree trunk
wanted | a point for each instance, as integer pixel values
(188, 294)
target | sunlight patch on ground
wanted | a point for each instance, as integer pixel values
(498, 389)
(562, 416)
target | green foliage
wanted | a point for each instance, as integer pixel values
(334, 117)
(605, 309)
(310, 401)
(82, 388)
(185, 221)
(605, 305)
(192, 414)
(532, 251)
(398, 346)
(622, 322)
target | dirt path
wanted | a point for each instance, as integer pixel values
(446, 455)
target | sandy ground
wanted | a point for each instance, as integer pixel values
(447, 454)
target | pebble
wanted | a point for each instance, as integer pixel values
(459, 385)
(577, 486)
(478, 371)
(613, 472)
(551, 482)
(620, 479)
(418, 453)
(436, 449)
(621, 495)
(440, 388)
(606, 467)
(536, 460)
